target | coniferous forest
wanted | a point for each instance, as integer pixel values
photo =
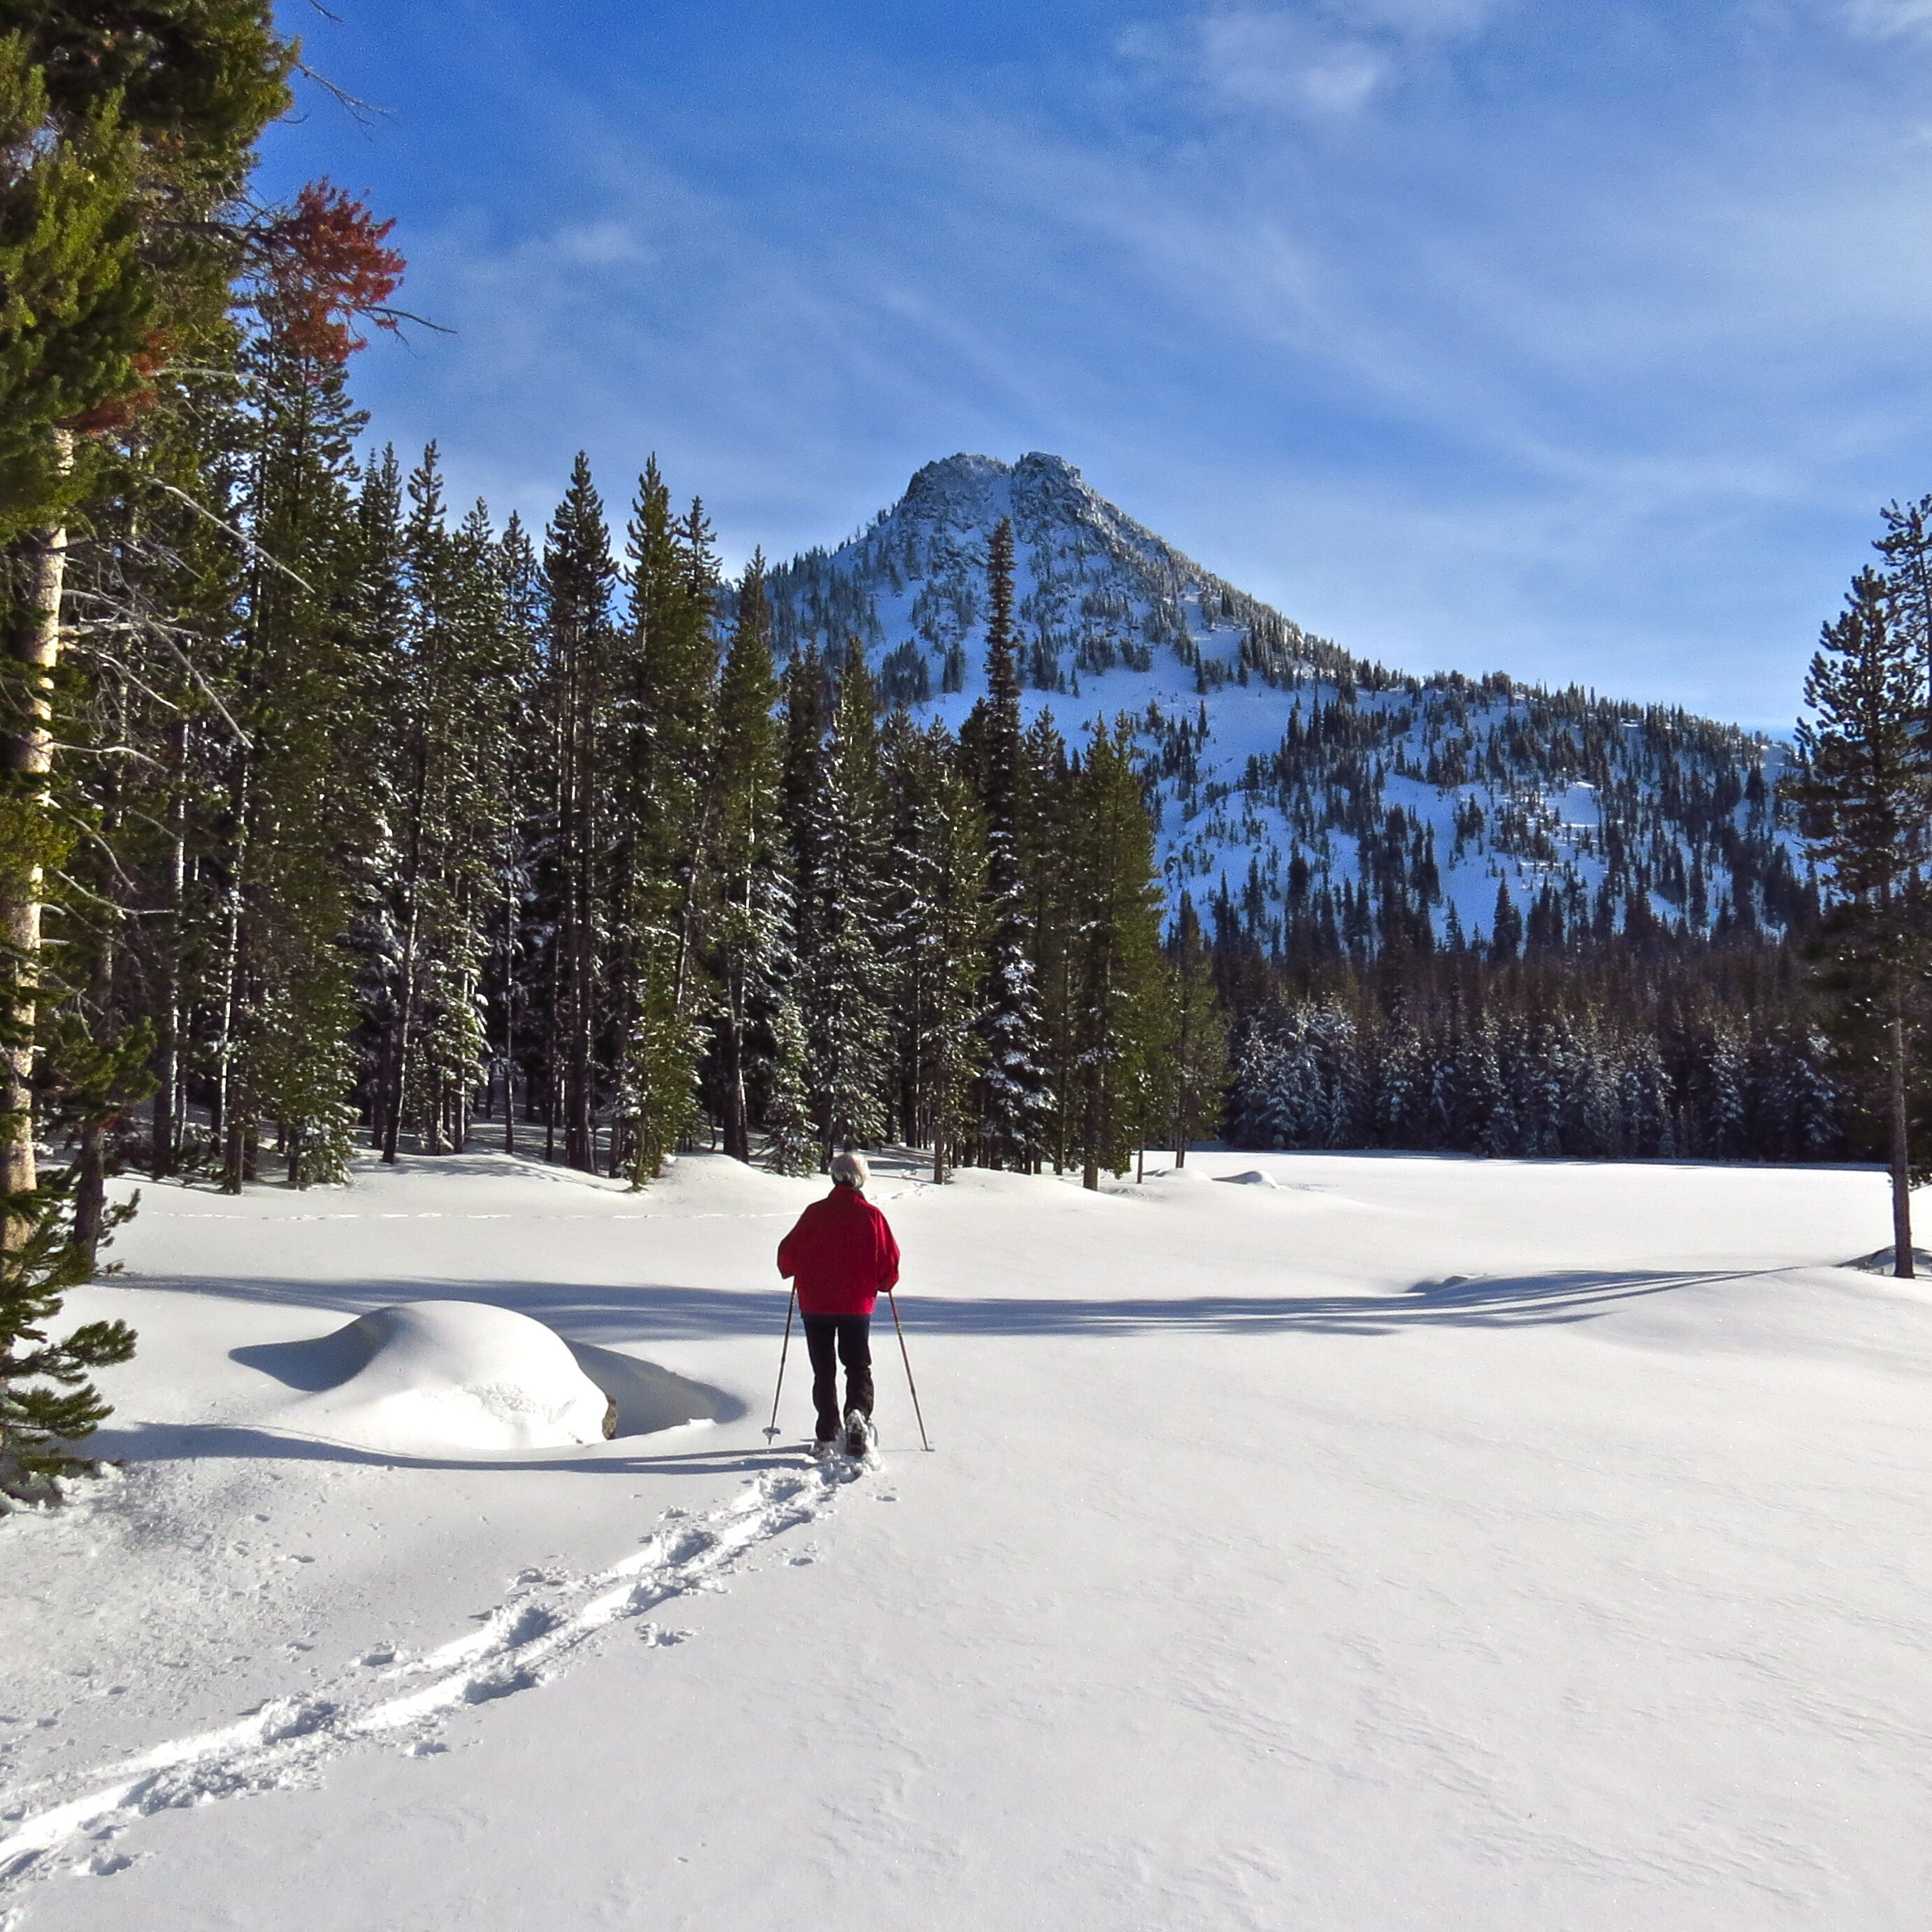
(338, 814)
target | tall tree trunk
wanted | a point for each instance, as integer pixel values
(578, 1149)
(731, 1042)
(166, 1142)
(399, 1066)
(90, 1167)
(229, 1104)
(35, 648)
(1901, 1158)
(509, 1025)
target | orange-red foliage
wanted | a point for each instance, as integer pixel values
(118, 411)
(325, 265)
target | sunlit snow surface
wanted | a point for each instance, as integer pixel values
(1411, 1542)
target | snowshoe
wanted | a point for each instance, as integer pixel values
(822, 1452)
(860, 1436)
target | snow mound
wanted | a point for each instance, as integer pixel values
(1882, 1260)
(1253, 1177)
(648, 1397)
(431, 1376)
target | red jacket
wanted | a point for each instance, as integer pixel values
(842, 1253)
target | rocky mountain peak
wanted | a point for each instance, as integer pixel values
(1302, 790)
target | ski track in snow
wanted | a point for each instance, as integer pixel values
(527, 1640)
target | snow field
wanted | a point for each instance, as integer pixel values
(522, 1644)
(1411, 1542)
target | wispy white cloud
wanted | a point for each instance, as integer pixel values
(1537, 364)
(1279, 60)
(1417, 19)
(1888, 19)
(1320, 60)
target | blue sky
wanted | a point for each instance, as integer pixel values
(1575, 339)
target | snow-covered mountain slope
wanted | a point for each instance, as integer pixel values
(1416, 1543)
(1322, 799)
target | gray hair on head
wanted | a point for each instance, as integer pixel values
(849, 1170)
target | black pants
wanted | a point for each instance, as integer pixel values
(851, 1335)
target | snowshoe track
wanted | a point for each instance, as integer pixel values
(527, 1640)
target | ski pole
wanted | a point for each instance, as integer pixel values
(909, 1383)
(790, 1303)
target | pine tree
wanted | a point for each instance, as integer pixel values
(298, 786)
(517, 1004)
(1125, 1003)
(37, 1423)
(381, 622)
(753, 903)
(466, 687)
(1906, 547)
(842, 984)
(1505, 926)
(1862, 793)
(663, 820)
(791, 1143)
(578, 575)
(1199, 1068)
(935, 924)
(1047, 813)
(1014, 1097)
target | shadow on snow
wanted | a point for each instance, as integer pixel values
(666, 1312)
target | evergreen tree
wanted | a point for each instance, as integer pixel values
(1013, 1094)
(1121, 1033)
(1198, 1071)
(753, 903)
(1047, 813)
(791, 1143)
(518, 1004)
(296, 781)
(578, 576)
(1906, 547)
(935, 924)
(38, 1423)
(663, 814)
(842, 983)
(465, 673)
(1862, 793)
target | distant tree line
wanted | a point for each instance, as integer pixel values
(1605, 1059)
(1584, 1030)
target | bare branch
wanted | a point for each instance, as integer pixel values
(364, 113)
(247, 543)
(109, 751)
(206, 689)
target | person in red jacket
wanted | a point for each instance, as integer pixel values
(842, 1256)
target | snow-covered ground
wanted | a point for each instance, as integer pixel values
(1387, 1542)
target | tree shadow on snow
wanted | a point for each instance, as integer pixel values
(1512, 1301)
(666, 1311)
(195, 1442)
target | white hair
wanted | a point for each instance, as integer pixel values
(849, 1170)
